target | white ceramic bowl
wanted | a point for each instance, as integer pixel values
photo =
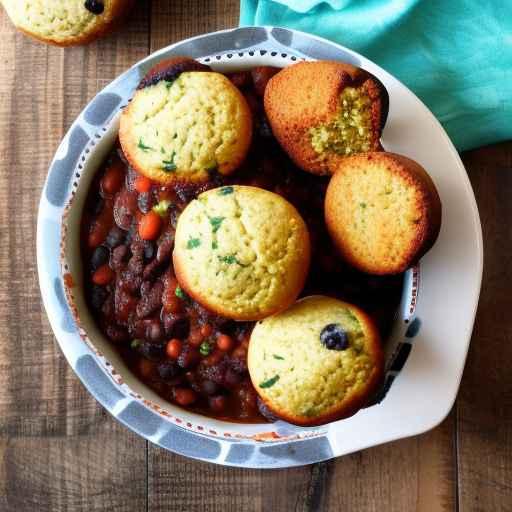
(451, 275)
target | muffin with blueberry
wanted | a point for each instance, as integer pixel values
(185, 123)
(66, 22)
(323, 111)
(318, 361)
(242, 252)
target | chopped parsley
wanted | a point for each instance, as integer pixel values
(270, 382)
(224, 191)
(169, 165)
(143, 146)
(193, 243)
(230, 260)
(362, 205)
(179, 293)
(204, 348)
(216, 222)
(278, 357)
(162, 150)
(168, 84)
(162, 207)
(215, 245)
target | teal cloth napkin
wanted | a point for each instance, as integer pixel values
(456, 55)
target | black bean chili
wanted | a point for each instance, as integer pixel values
(185, 353)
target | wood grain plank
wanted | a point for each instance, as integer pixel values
(180, 19)
(485, 399)
(176, 483)
(58, 449)
(74, 473)
(416, 474)
(412, 474)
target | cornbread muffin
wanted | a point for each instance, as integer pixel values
(182, 126)
(323, 111)
(242, 252)
(382, 211)
(316, 362)
(66, 22)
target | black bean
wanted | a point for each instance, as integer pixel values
(132, 233)
(216, 179)
(189, 357)
(131, 175)
(145, 202)
(152, 351)
(181, 328)
(186, 193)
(208, 387)
(168, 370)
(264, 129)
(175, 214)
(265, 411)
(99, 257)
(117, 334)
(116, 236)
(107, 308)
(214, 373)
(96, 206)
(98, 296)
(238, 365)
(176, 326)
(149, 250)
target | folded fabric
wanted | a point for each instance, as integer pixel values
(456, 55)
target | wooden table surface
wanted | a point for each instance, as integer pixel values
(60, 451)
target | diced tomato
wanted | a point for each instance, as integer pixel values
(103, 275)
(150, 225)
(114, 178)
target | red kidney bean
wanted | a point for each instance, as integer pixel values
(217, 403)
(261, 75)
(231, 378)
(113, 178)
(189, 357)
(125, 206)
(241, 79)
